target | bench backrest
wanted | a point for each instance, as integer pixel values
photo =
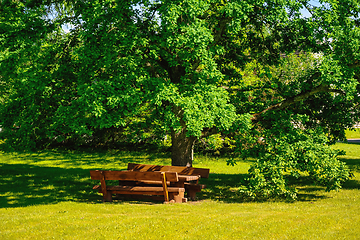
(203, 172)
(133, 176)
(164, 177)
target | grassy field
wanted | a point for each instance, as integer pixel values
(48, 195)
(351, 134)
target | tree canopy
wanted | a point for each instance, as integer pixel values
(278, 77)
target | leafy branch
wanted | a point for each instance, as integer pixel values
(290, 101)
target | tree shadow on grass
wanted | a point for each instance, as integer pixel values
(30, 183)
(309, 191)
(23, 185)
(225, 188)
(354, 166)
(352, 163)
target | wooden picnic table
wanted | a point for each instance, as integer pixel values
(188, 176)
(129, 181)
(190, 183)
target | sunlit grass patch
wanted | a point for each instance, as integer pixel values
(355, 133)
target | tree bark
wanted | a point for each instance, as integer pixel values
(182, 148)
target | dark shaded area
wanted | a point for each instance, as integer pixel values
(353, 164)
(28, 184)
(223, 187)
(25, 185)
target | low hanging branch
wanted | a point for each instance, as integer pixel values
(290, 101)
(282, 105)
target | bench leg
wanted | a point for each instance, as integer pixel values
(107, 197)
(191, 191)
(191, 194)
(177, 197)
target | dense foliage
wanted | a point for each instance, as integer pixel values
(264, 75)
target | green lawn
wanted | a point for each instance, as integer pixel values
(350, 134)
(49, 195)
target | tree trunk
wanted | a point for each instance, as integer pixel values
(182, 148)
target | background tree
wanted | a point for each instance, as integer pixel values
(196, 68)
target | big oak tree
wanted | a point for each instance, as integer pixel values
(279, 77)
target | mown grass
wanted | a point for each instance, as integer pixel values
(49, 195)
(351, 134)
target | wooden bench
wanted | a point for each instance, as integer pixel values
(191, 188)
(129, 184)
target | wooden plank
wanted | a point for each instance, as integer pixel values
(132, 176)
(195, 186)
(151, 183)
(177, 194)
(144, 189)
(203, 172)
